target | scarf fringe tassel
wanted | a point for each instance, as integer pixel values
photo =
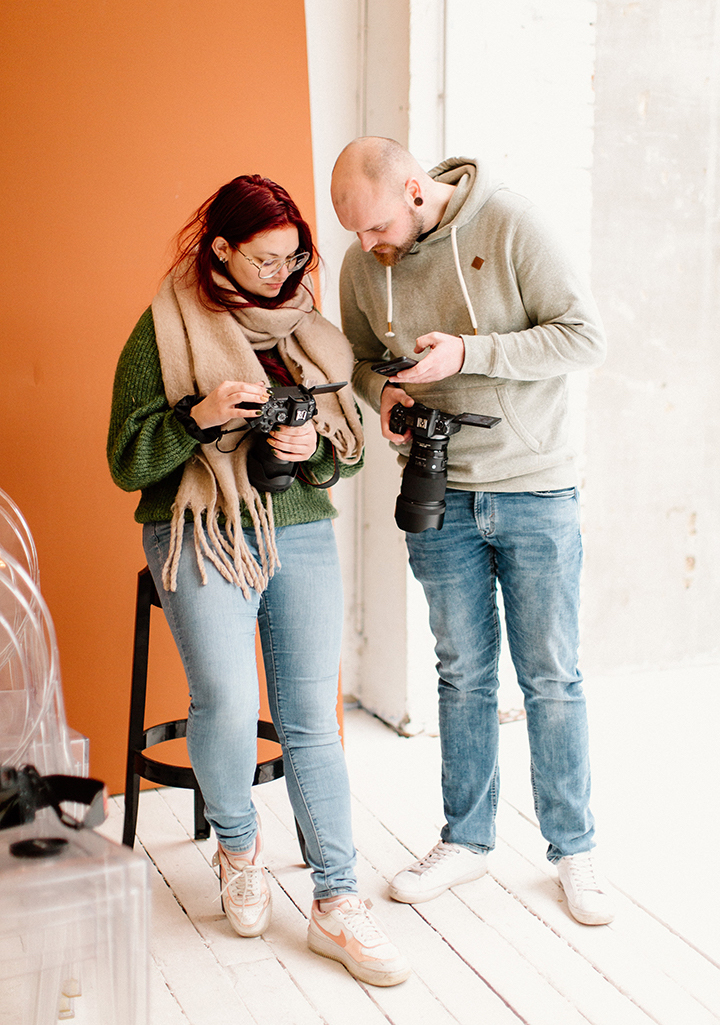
(233, 558)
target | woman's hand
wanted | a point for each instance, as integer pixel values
(221, 404)
(294, 444)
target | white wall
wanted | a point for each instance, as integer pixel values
(509, 82)
(334, 61)
(629, 173)
(359, 84)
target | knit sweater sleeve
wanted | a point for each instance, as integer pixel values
(146, 442)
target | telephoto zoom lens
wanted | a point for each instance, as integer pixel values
(421, 502)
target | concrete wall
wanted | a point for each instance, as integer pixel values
(652, 592)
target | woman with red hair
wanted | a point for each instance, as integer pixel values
(231, 545)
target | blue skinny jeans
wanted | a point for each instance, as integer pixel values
(530, 544)
(300, 616)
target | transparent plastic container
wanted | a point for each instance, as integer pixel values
(73, 905)
(33, 728)
(15, 536)
(73, 931)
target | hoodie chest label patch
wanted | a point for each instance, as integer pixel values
(477, 262)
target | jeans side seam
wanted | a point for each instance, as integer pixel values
(290, 767)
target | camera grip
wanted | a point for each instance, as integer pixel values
(397, 422)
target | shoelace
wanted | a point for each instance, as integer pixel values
(582, 871)
(362, 925)
(243, 885)
(440, 850)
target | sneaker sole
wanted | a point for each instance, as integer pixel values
(408, 897)
(590, 918)
(250, 931)
(586, 917)
(374, 977)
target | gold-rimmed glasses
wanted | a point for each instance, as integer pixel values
(269, 268)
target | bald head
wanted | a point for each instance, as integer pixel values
(381, 193)
(382, 164)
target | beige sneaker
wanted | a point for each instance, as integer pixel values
(244, 891)
(343, 928)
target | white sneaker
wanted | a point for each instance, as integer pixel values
(343, 928)
(587, 900)
(244, 891)
(446, 865)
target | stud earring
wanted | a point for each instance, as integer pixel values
(418, 201)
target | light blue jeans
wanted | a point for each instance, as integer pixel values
(300, 616)
(530, 543)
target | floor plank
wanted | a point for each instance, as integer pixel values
(500, 951)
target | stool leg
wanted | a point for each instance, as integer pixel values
(202, 826)
(132, 801)
(145, 591)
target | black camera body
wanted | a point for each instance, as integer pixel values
(287, 406)
(421, 502)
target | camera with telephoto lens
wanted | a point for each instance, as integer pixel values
(24, 791)
(421, 502)
(287, 407)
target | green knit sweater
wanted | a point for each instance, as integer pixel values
(148, 447)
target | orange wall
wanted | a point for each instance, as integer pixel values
(118, 120)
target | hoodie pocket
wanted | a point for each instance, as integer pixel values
(514, 420)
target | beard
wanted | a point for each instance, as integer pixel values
(390, 256)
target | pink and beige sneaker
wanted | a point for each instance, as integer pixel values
(244, 890)
(343, 928)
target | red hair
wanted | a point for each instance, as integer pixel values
(247, 206)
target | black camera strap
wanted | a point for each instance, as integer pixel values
(24, 791)
(326, 483)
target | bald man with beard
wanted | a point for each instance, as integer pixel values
(455, 270)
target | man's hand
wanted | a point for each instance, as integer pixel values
(445, 358)
(389, 398)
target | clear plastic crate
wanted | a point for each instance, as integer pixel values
(73, 930)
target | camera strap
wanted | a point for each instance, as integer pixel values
(326, 483)
(24, 791)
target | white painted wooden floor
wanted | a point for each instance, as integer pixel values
(499, 951)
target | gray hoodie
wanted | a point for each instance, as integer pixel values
(535, 321)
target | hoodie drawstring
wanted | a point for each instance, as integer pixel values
(461, 279)
(388, 278)
(458, 270)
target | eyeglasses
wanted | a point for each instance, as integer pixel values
(269, 268)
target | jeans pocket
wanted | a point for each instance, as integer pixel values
(560, 493)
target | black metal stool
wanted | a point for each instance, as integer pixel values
(139, 764)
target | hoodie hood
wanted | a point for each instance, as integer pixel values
(473, 188)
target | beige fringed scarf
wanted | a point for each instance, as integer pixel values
(199, 349)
